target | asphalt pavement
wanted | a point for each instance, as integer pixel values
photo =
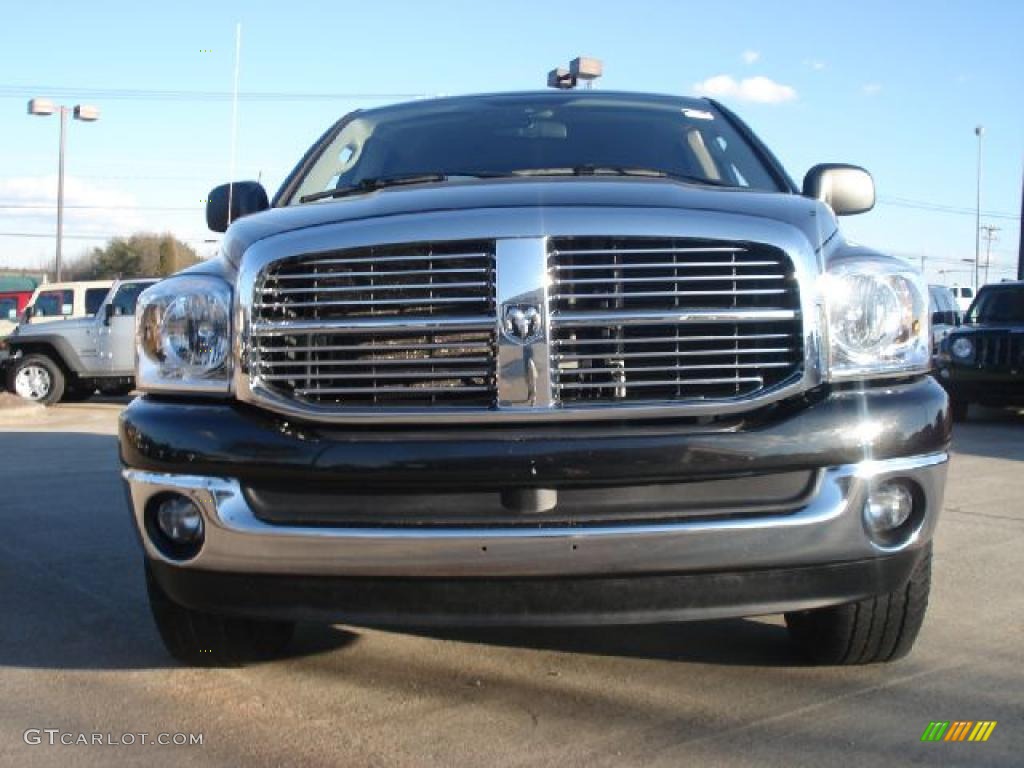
(79, 654)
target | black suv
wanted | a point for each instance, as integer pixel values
(983, 360)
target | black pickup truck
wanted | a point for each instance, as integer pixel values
(538, 358)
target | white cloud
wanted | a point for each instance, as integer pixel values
(109, 210)
(758, 89)
(751, 56)
(870, 89)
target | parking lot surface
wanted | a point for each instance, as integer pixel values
(78, 653)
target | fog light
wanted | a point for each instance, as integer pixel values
(180, 520)
(888, 507)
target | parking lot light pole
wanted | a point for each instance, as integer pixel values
(85, 113)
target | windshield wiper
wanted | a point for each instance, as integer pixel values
(369, 185)
(619, 170)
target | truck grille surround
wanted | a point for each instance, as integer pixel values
(627, 320)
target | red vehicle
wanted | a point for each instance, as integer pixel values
(12, 304)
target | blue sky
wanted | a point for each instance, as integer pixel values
(895, 87)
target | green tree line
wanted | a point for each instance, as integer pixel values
(140, 255)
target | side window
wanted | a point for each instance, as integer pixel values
(8, 309)
(55, 303)
(94, 299)
(127, 297)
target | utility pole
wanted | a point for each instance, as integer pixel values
(990, 235)
(1020, 248)
(979, 131)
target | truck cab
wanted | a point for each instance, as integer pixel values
(71, 360)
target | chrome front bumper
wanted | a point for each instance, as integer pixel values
(829, 529)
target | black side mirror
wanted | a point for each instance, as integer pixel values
(246, 197)
(26, 316)
(847, 189)
(109, 311)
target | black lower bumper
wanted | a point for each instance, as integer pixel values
(231, 440)
(635, 599)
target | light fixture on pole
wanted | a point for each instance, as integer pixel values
(979, 131)
(85, 113)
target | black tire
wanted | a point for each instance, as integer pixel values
(959, 409)
(55, 379)
(210, 640)
(878, 629)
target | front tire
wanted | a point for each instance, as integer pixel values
(878, 629)
(37, 378)
(210, 640)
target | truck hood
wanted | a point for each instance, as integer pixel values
(812, 218)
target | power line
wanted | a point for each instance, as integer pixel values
(35, 206)
(129, 94)
(924, 205)
(92, 237)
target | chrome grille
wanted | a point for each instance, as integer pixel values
(670, 319)
(410, 325)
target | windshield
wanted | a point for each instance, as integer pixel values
(998, 305)
(510, 135)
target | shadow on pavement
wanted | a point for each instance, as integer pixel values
(730, 642)
(991, 432)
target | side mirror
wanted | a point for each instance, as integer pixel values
(847, 189)
(109, 311)
(27, 315)
(246, 197)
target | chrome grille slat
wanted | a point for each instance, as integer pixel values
(626, 294)
(375, 362)
(375, 287)
(410, 301)
(674, 339)
(388, 390)
(666, 382)
(557, 251)
(412, 325)
(377, 273)
(649, 319)
(389, 259)
(664, 266)
(683, 353)
(358, 325)
(673, 317)
(689, 279)
(377, 375)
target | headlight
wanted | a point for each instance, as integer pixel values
(184, 335)
(962, 348)
(877, 318)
